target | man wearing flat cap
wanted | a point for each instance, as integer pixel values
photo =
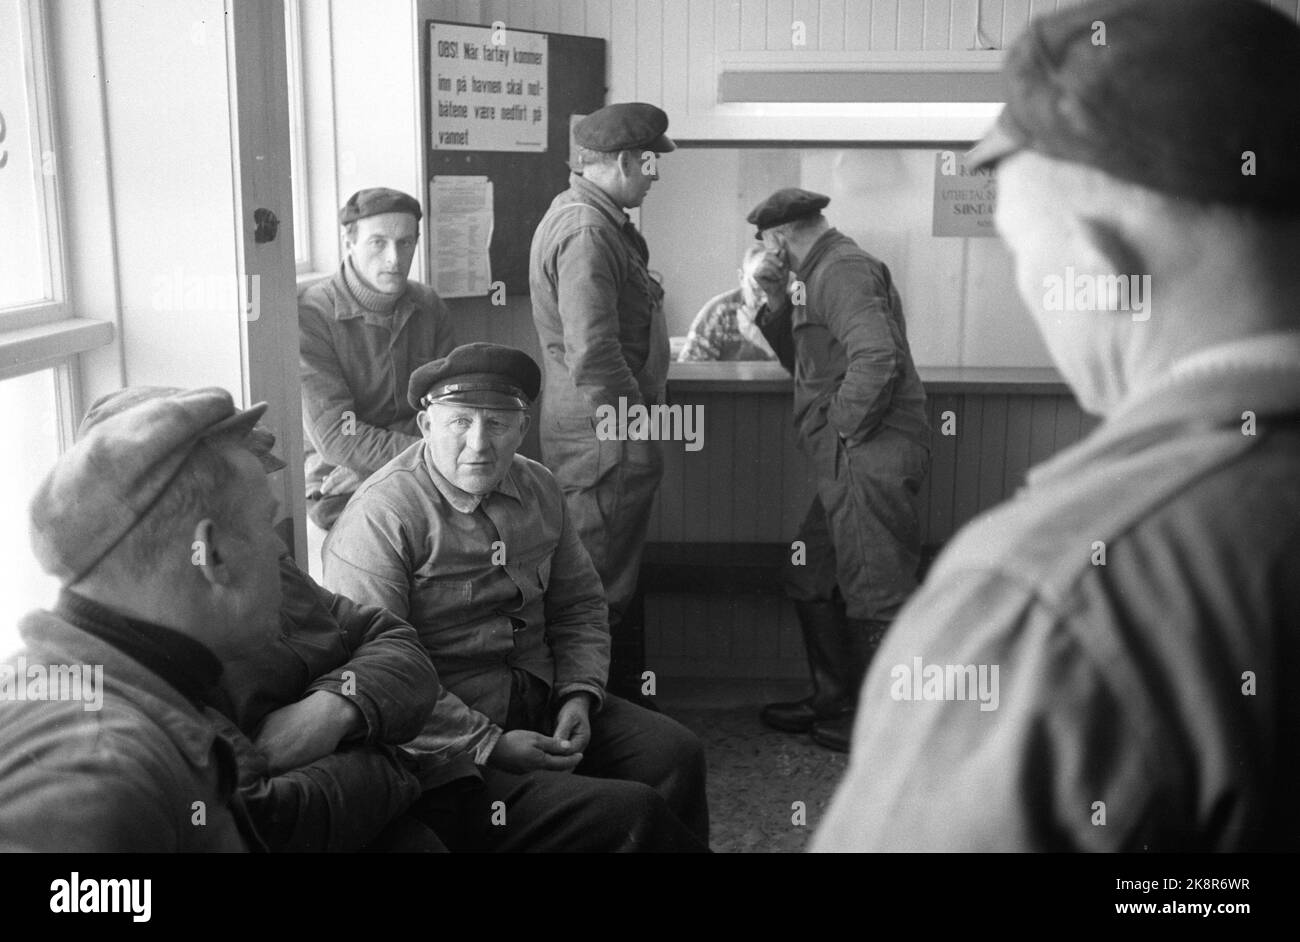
(599, 318)
(1139, 598)
(474, 545)
(362, 332)
(316, 714)
(859, 410)
(158, 525)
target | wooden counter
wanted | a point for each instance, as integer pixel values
(771, 377)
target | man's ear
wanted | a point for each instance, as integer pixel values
(523, 426)
(206, 555)
(422, 422)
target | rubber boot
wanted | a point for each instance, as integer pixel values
(824, 636)
(837, 732)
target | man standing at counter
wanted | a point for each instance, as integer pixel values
(860, 413)
(600, 321)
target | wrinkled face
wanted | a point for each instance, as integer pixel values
(383, 250)
(643, 171)
(472, 447)
(252, 551)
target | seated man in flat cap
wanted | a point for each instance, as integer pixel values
(600, 321)
(473, 544)
(725, 329)
(362, 332)
(315, 714)
(859, 410)
(158, 525)
(1127, 628)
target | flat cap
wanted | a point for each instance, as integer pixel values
(785, 205)
(378, 200)
(260, 439)
(1173, 95)
(102, 486)
(632, 125)
(486, 375)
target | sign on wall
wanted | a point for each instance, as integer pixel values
(487, 88)
(964, 199)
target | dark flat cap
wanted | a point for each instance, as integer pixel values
(632, 125)
(785, 205)
(260, 439)
(486, 375)
(378, 200)
(102, 486)
(1173, 100)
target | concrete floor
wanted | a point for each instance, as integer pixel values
(756, 775)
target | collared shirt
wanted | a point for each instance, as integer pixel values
(716, 333)
(489, 585)
(847, 346)
(147, 771)
(356, 364)
(598, 312)
(1139, 600)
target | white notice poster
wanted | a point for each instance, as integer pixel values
(487, 88)
(460, 231)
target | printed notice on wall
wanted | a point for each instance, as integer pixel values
(487, 88)
(964, 199)
(460, 227)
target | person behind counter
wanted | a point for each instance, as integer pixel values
(725, 329)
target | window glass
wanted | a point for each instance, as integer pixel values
(29, 404)
(24, 247)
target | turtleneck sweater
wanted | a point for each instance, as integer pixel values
(370, 299)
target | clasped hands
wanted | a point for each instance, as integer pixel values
(522, 750)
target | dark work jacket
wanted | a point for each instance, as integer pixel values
(847, 347)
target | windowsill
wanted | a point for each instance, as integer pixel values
(33, 348)
(770, 377)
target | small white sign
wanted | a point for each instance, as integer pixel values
(487, 88)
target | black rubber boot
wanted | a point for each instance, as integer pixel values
(865, 636)
(825, 637)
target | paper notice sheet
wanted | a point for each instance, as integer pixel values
(460, 232)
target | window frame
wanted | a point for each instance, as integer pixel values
(33, 32)
(298, 137)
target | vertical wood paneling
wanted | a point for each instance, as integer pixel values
(937, 24)
(872, 25)
(993, 450)
(674, 95)
(598, 18)
(779, 17)
(521, 15)
(1015, 15)
(753, 24)
(720, 627)
(573, 17)
(701, 40)
(720, 418)
(623, 60)
(911, 25)
(961, 32)
(1042, 428)
(673, 491)
(651, 56)
(966, 470)
(768, 473)
(726, 23)
(991, 21)
(943, 470)
(546, 15)
(745, 513)
(1016, 460)
(830, 26)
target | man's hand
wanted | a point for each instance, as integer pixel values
(312, 728)
(522, 750)
(771, 276)
(573, 722)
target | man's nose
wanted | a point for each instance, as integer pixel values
(477, 439)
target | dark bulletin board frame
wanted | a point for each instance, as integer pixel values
(523, 184)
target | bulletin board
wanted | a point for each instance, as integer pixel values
(523, 183)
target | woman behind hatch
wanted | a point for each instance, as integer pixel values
(724, 329)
